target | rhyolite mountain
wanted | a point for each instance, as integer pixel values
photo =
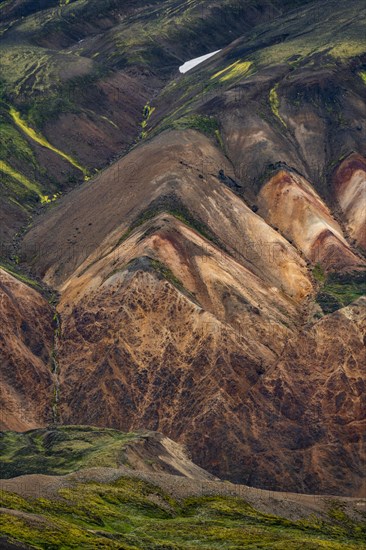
(195, 244)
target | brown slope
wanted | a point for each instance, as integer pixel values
(185, 179)
(316, 393)
(144, 371)
(152, 316)
(349, 185)
(126, 358)
(26, 339)
(289, 202)
(290, 419)
(216, 292)
(210, 277)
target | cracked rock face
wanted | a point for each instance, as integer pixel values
(26, 340)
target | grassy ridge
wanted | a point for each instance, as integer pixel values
(60, 451)
(133, 514)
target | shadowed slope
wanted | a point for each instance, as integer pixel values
(26, 340)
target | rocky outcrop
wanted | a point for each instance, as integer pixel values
(26, 340)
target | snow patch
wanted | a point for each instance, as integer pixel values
(188, 65)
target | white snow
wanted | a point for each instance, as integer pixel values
(188, 65)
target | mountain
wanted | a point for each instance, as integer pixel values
(205, 276)
(76, 76)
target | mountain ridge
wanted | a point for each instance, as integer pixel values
(210, 279)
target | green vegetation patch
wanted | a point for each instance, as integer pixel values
(168, 275)
(38, 138)
(133, 514)
(12, 144)
(207, 125)
(275, 104)
(20, 178)
(236, 70)
(363, 76)
(24, 279)
(147, 112)
(61, 450)
(339, 289)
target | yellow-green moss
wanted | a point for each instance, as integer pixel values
(34, 187)
(275, 104)
(12, 270)
(38, 138)
(233, 71)
(133, 514)
(147, 112)
(363, 76)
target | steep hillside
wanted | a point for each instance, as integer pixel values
(76, 77)
(166, 256)
(26, 340)
(211, 279)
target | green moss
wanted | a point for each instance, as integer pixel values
(49, 107)
(176, 209)
(147, 112)
(346, 49)
(61, 450)
(206, 124)
(12, 144)
(18, 275)
(363, 76)
(131, 513)
(219, 139)
(319, 274)
(339, 290)
(167, 274)
(38, 138)
(236, 70)
(275, 104)
(32, 186)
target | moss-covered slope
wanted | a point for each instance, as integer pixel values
(132, 514)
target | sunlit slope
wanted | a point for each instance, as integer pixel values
(183, 181)
(76, 77)
(290, 93)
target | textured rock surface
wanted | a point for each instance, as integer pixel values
(210, 279)
(26, 338)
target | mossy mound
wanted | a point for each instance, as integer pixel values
(339, 289)
(61, 451)
(132, 514)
